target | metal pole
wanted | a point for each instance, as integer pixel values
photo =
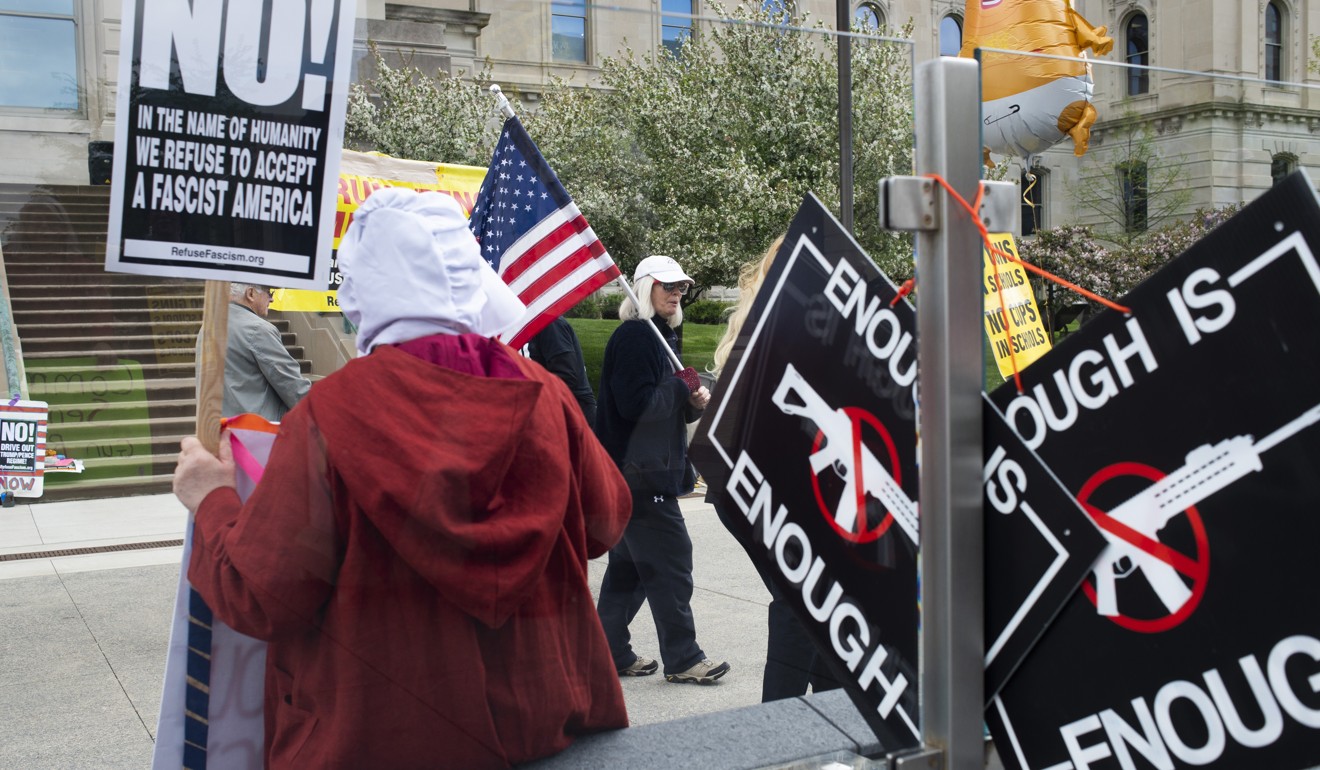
(950, 375)
(844, 24)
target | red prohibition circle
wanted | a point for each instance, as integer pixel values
(862, 535)
(1199, 567)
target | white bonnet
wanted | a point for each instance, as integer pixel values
(411, 268)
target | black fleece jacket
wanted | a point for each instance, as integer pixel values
(643, 410)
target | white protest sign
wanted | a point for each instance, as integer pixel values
(230, 120)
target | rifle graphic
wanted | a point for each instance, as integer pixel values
(838, 452)
(1209, 468)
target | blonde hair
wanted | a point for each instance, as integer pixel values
(645, 309)
(750, 277)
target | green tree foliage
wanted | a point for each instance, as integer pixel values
(706, 155)
(1129, 184)
(1074, 253)
(407, 113)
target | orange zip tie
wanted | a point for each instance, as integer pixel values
(903, 291)
(985, 238)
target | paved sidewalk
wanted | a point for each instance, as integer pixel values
(83, 637)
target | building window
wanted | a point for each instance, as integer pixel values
(1138, 53)
(1033, 202)
(950, 35)
(39, 55)
(1273, 42)
(568, 30)
(1282, 165)
(1132, 178)
(869, 18)
(675, 29)
(780, 11)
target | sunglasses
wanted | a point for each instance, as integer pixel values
(680, 286)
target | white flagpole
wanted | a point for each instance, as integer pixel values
(506, 109)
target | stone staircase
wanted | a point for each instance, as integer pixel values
(113, 354)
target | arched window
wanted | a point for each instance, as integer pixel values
(1273, 42)
(1282, 165)
(1138, 52)
(950, 35)
(869, 17)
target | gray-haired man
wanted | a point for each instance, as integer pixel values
(260, 375)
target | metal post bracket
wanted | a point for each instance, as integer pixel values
(908, 203)
(1001, 209)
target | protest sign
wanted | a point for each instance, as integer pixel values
(361, 174)
(230, 117)
(809, 448)
(22, 447)
(1013, 328)
(213, 700)
(1039, 545)
(1189, 429)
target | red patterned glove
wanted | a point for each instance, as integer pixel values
(689, 378)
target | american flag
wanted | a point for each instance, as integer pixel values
(532, 233)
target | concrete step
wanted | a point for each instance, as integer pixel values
(165, 342)
(32, 333)
(119, 438)
(179, 353)
(55, 222)
(112, 373)
(68, 391)
(73, 260)
(71, 414)
(73, 486)
(90, 319)
(97, 449)
(111, 302)
(90, 271)
(158, 294)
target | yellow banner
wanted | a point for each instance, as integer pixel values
(1021, 333)
(360, 174)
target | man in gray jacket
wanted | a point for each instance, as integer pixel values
(260, 375)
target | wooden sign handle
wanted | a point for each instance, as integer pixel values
(214, 340)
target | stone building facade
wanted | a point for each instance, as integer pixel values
(1230, 136)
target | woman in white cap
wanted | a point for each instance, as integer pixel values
(416, 553)
(641, 419)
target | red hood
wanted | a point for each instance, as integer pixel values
(431, 459)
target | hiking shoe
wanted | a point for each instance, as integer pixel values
(640, 667)
(705, 672)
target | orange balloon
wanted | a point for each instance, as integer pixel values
(1029, 104)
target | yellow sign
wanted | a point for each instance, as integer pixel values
(1020, 334)
(361, 174)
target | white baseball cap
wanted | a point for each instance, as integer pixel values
(663, 269)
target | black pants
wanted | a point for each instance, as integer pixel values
(652, 563)
(791, 661)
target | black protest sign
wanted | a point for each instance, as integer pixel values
(1189, 432)
(1039, 545)
(809, 448)
(229, 125)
